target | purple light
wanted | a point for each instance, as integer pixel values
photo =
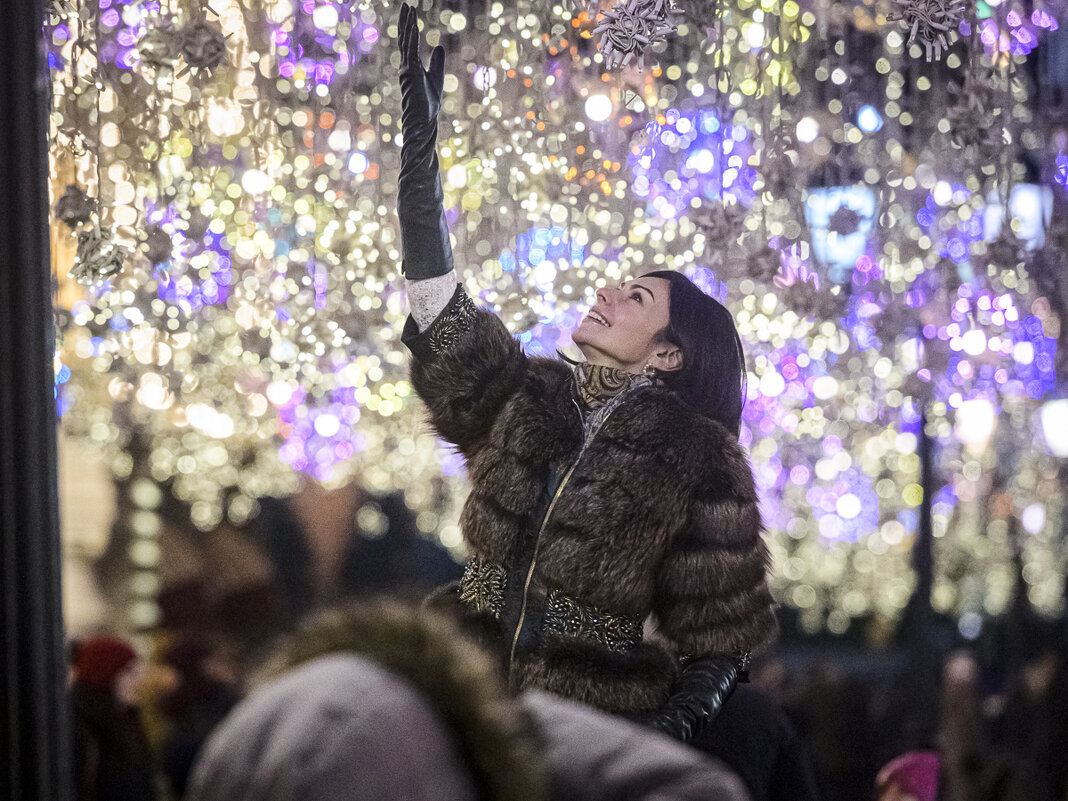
(1023, 36)
(1043, 20)
(324, 72)
(110, 18)
(317, 439)
(370, 34)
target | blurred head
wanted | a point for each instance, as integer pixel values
(100, 662)
(664, 323)
(911, 777)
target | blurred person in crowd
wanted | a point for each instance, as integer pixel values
(112, 761)
(244, 585)
(753, 736)
(604, 493)
(961, 731)
(218, 583)
(1034, 725)
(378, 702)
(970, 768)
(200, 695)
(831, 712)
(330, 545)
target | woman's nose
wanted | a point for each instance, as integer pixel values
(603, 295)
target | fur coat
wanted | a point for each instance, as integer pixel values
(657, 521)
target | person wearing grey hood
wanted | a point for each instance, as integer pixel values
(378, 703)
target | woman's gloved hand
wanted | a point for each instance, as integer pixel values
(424, 230)
(701, 691)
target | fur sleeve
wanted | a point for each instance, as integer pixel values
(711, 592)
(465, 365)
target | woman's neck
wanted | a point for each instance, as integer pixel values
(596, 384)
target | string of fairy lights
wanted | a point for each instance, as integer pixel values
(224, 179)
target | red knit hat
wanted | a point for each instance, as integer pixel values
(98, 661)
(915, 772)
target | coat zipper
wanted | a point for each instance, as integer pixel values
(541, 530)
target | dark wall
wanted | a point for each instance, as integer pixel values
(33, 720)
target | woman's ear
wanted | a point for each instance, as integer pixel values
(667, 358)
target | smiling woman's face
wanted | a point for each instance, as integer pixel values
(622, 329)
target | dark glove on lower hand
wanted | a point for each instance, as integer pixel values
(424, 230)
(697, 697)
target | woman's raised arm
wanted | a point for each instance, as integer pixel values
(465, 364)
(424, 230)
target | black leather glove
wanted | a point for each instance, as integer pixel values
(701, 691)
(424, 231)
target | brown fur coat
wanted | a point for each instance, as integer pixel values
(658, 518)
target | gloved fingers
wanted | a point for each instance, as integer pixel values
(412, 42)
(404, 32)
(436, 73)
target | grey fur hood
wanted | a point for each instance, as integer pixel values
(339, 728)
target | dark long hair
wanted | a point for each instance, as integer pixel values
(712, 379)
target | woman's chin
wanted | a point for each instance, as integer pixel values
(580, 335)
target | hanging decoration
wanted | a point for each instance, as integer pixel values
(59, 9)
(98, 257)
(721, 223)
(74, 207)
(161, 46)
(630, 28)
(203, 46)
(933, 22)
(157, 245)
(238, 328)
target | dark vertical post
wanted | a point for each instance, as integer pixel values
(33, 719)
(923, 548)
(1062, 483)
(921, 680)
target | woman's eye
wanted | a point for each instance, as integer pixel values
(636, 296)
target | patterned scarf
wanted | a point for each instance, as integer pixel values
(596, 385)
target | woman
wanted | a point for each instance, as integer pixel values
(602, 494)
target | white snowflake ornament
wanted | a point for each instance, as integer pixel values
(934, 22)
(630, 27)
(98, 257)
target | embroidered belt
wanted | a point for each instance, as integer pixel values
(482, 586)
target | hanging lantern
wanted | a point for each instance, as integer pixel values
(1030, 205)
(975, 424)
(1054, 419)
(840, 220)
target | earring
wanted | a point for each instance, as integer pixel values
(649, 370)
